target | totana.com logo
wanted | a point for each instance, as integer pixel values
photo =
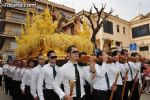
(18, 5)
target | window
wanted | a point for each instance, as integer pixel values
(117, 28)
(124, 30)
(144, 48)
(16, 31)
(108, 27)
(140, 31)
(13, 45)
(118, 43)
(2, 26)
(72, 29)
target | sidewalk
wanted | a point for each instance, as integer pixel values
(3, 96)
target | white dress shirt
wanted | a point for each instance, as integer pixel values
(8, 71)
(34, 79)
(138, 64)
(133, 69)
(5, 69)
(99, 82)
(67, 73)
(23, 70)
(12, 71)
(26, 80)
(1, 70)
(113, 70)
(16, 75)
(46, 75)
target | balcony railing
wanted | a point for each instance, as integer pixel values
(11, 33)
(15, 19)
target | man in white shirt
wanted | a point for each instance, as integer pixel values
(135, 95)
(16, 78)
(71, 71)
(101, 83)
(117, 67)
(35, 75)
(9, 76)
(5, 67)
(46, 78)
(129, 65)
(87, 86)
(26, 81)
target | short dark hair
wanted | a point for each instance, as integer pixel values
(30, 60)
(39, 56)
(69, 49)
(114, 53)
(82, 53)
(99, 54)
(134, 54)
(49, 53)
(124, 50)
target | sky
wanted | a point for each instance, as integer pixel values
(125, 9)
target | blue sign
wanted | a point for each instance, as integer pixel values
(133, 47)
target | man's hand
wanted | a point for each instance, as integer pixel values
(114, 87)
(135, 80)
(105, 57)
(92, 66)
(36, 98)
(67, 97)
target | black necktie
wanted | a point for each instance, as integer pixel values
(107, 80)
(54, 70)
(130, 71)
(77, 76)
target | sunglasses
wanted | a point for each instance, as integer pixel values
(53, 57)
(75, 52)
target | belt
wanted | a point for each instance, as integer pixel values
(77, 98)
(48, 90)
(100, 90)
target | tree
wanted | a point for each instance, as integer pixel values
(100, 21)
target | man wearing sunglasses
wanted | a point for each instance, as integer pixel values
(35, 75)
(71, 71)
(46, 78)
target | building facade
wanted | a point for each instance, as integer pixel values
(140, 33)
(118, 33)
(13, 19)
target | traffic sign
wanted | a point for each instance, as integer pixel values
(133, 47)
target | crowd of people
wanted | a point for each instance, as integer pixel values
(102, 77)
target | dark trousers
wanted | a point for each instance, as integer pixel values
(129, 85)
(17, 94)
(100, 95)
(0, 80)
(117, 93)
(87, 89)
(10, 86)
(83, 98)
(49, 94)
(6, 84)
(27, 95)
(135, 95)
